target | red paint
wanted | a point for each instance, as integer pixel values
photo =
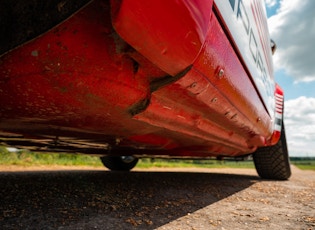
(164, 31)
(82, 80)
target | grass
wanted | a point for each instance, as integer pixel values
(173, 163)
(26, 158)
(304, 164)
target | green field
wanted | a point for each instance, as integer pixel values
(304, 163)
(26, 158)
(173, 163)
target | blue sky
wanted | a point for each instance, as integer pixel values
(292, 26)
(294, 89)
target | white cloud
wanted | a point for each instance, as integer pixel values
(293, 30)
(299, 118)
(270, 3)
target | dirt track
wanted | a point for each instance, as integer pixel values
(154, 199)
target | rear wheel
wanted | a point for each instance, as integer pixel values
(273, 162)
(119, 163)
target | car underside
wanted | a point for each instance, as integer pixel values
(127, 79)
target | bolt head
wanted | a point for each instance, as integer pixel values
(214, 99)
(220, 73)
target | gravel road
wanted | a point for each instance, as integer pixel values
(85, 198)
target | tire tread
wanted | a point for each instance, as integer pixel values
(115, 163)
(272, 162)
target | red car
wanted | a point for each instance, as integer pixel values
(127, 79)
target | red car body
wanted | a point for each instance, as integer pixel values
(142, 78)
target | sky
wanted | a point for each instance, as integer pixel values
(292, 26)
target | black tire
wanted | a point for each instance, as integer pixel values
(119, 163)
(273, 162)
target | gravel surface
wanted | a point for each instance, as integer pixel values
(89, 198)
